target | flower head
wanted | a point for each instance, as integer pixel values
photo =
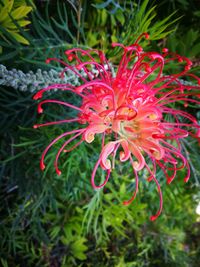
(132, 109)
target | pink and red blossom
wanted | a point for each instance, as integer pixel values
(133, 109)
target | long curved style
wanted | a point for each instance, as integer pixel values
(133, 110)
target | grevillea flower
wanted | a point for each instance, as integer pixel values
(133, 110)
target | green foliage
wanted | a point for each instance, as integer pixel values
(143, 22)
(185, 43)
(68, 23)
(126, 22)
(13, 15)
(15, 107)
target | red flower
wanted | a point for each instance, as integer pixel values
(133, 111)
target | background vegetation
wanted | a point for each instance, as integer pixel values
(46, 220)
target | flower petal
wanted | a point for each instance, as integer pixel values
(139, 164)
(154, 148)
(107, 150)
(124, 155)
(91, 130)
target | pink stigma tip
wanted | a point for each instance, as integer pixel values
(169, 181)
(38, 95)
(40, 110)
(153, 218)
(42, 166)
(158, 136)
(79, 67)
(35, 126)
(188, 67)
(165, 50)
(126, 203)
(149, 179)
(140, 48)
(58, 172)
(148, 69)
(70, 57)
(47, 61)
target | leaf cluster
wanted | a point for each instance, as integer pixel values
(61, 24)
(12, 18)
